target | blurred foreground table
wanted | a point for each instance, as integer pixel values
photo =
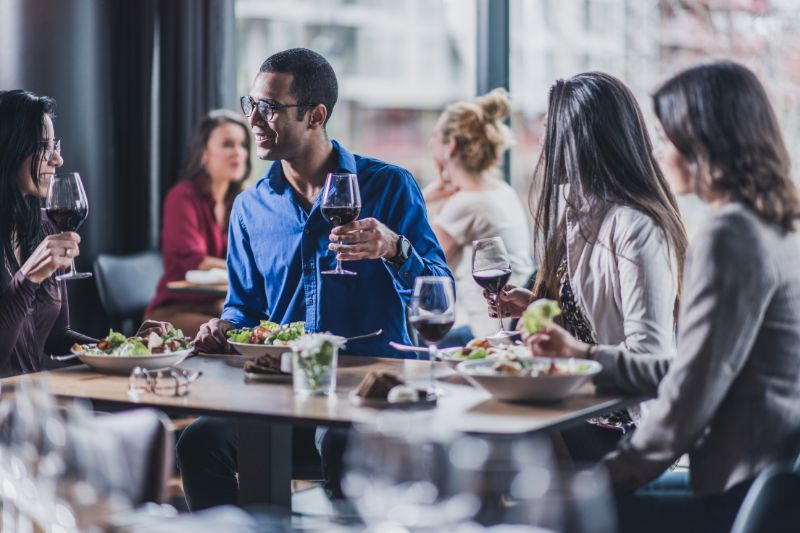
(267, 411)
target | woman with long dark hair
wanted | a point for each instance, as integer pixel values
(196, 212)
(729, 397)
(34, 312)
(609, 240)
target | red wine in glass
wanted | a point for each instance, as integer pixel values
(340, 205)
(68, 218)
(67, 207)
(339, 216)
(491, 269)
(432, 313)
(492, 279)
(432, 328)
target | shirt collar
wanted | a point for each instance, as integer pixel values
(345, 162)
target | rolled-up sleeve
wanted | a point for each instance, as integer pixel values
(406, 215)
(246, 302)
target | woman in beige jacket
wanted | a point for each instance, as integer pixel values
(610, 241)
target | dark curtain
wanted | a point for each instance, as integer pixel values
(130, 77)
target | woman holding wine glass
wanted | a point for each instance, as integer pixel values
(609, 242)
(470, 202)
(34, 312)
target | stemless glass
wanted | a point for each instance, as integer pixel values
(432, 313)
(341, 204)
(67, 207)
(491, 269)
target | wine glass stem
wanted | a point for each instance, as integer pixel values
(432, 354)
(71, 267)
(499, 311)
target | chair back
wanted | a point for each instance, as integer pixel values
(141, 446)
(771, 503)
(127, 284)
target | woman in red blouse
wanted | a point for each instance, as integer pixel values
(196, 211)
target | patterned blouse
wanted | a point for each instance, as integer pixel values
(578, 326)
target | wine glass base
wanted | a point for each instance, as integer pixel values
(342, 272)
(74, 275)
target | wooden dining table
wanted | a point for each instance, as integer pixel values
(267, 412)
(187, 287)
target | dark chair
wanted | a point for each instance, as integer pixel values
(126, 284)
(771, 503)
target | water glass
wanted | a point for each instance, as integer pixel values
(314, 363)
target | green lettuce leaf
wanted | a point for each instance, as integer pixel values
(539, 314)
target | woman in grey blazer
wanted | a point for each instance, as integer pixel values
(730, 396)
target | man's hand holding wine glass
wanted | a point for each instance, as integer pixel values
(367, 238)
(55, 252)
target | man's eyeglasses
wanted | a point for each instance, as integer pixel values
(265, 109)
(170, 381)
(51, 147)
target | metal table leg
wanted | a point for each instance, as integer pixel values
(265, 464)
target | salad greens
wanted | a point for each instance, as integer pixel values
(118, 345)
(539, 314)
(269, 333)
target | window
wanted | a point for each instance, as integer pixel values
(643, 42)
(398, 64)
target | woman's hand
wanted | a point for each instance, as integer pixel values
(53, 253)
(441, 189)
(513, 301)
(153, 326)
(555, 341)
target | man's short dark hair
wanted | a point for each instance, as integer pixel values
(314, 80)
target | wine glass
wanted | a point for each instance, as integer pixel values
(432, 313)
(67, 207)
(491, 269)
(402, 475)
(341, 204)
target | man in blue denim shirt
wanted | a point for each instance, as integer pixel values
(279, 243)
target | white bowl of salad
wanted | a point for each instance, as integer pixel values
(268, 338)
(528, 379)
(119, 354)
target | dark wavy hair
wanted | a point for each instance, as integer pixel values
(719, 118)
(21, 124)
(193, 161)
(596, 140)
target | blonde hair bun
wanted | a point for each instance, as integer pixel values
(495, 104)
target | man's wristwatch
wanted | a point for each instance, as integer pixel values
(403, 252)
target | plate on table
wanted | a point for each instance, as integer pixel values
(454, 356)
(377, 403)
(539, 379)
(258, 350)
(123, 364)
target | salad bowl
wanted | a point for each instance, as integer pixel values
(530, 379)
(118, 354)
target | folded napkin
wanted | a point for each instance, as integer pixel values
(207, 277)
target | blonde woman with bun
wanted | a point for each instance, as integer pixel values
(469, 201)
